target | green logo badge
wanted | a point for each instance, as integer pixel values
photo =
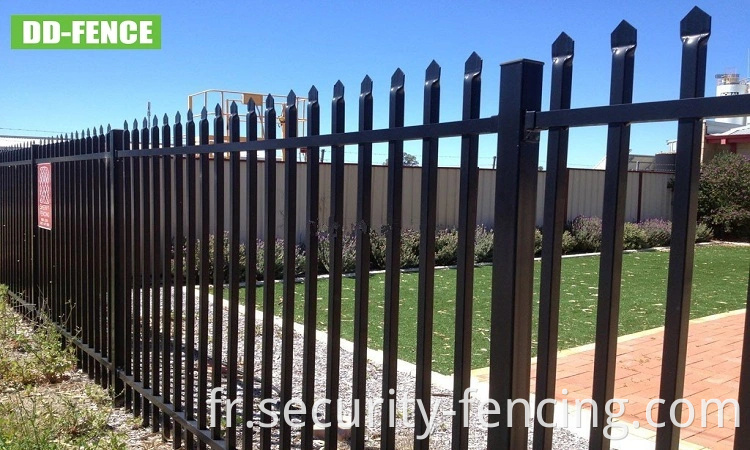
(85, 32)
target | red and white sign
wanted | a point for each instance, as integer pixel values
(44, 195)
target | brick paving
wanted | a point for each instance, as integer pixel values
(712, 372)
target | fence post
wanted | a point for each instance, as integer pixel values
(115, 296)
(34, 231)
(513, 268)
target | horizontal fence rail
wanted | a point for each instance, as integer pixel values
(110, 235)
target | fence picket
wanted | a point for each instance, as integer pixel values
(555, 201)
(166, 269)
(129, 282)
(205, 217)
(290, 254)
(426, 281)
(251, 273)
(156, 273)
(234, 276)
(269, 265)
(146, 269)
(178, 167)
(190, 281)
(362, 267)
(467, 217)
(136, 259)
(392, 261)
(335, 245)
(695, 30)
(218, 281)
(613, 223)
(311, 269)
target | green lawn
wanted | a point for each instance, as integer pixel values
(719, 285)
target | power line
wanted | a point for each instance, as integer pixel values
(26, 129)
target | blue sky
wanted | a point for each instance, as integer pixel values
(272, 47)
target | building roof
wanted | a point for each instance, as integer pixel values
(745, 129)
(635, 162)
(732, 136)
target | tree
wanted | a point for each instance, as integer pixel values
(409, 160)
(724, 195)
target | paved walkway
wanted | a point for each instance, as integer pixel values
(713, 370)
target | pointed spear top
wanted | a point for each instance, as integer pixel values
(177, 118)
(204, 113)
(251, 105)
(433, 72)
(165, 119)
(473, 64)
(563, 46)
(135, 124)
(338, 89)
(291, 99)
(695, 23)
(398, 79)
(233, 108)
(366, 86)
(125, 125)
(76, 134)
(190, 115)
(101, 130)
(156, 122)
(625, 35)
(88, 132)
(312, 95)
(66, 136)
(217, 110)
(269, 101)
(145, 123)
(109, 128)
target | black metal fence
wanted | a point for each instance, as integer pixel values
(111, 272)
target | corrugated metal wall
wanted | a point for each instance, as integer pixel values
(585, 196)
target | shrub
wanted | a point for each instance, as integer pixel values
(633, 237)
(409, 248)
(483, 245)
(724, 195)
(703, 233)
(349, 252)
(658, 232)
(446, 247)
(278, 253)
(587, 232)
(212, 258)
(537, 242)
(377, 250)
(568, 243)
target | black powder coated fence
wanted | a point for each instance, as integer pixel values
(102, 275)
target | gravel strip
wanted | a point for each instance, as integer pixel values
(442, 398)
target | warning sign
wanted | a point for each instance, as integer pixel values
(44, 195)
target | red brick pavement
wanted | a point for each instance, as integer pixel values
(712, 372)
